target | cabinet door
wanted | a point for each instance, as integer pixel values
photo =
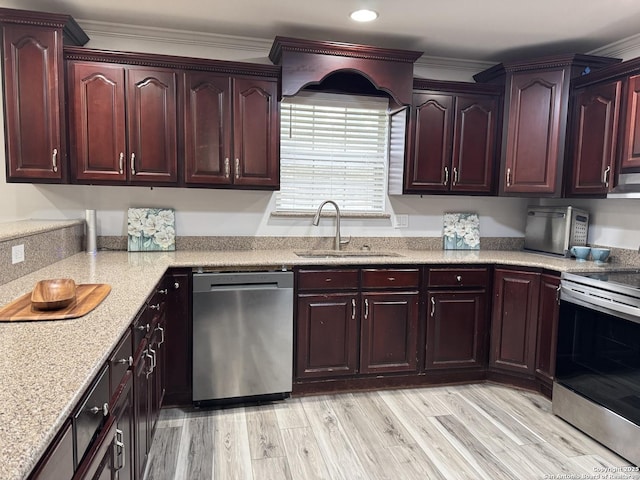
(151, 125)
(596, 110)
(33, 95)
(98, 464)
(430, 153)
(514, 320)
(389, 332)
(207, 128)
(474, 143)
(256, 133)
(123, 449)
(97, 130)
(178, 340)
(533, 148)
(456, 329)
(141, 408)
(58, 461)
(631, 147)
(547, 327)
(327, 337)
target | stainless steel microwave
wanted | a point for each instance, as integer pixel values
(555, 229)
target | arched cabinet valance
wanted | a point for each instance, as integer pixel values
(309, 62)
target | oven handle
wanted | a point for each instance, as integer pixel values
(600, 300)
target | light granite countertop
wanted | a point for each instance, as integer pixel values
(23, 228)
(46, 366)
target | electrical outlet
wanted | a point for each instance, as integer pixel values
(17, 254)
(401, 221)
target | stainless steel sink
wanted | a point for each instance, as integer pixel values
(344, 254)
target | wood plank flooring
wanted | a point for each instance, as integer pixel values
(473, 432)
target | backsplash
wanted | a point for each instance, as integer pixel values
(44, 243)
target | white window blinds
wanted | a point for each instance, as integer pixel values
(333, 147)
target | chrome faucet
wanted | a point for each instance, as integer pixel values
(316, 219)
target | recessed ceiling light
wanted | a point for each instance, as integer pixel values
(364, 15)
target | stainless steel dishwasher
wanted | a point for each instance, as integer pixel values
(242, 335)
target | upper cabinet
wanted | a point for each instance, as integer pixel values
(593, 139)
(34, 93)
(122, 123)
(156, 120)
(453, 138)
(535, 113)
(630, 160)
(231, 130)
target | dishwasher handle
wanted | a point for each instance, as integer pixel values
(208, 282)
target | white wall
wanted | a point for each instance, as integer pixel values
(233, 212)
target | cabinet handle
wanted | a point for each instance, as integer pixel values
(237, 168)
(605, 176)
(433, 306)
(153, 363)
(353, 309)
(227, 170)
(366, 308)
(119, 453)
(508, 177)
(133, 164)
(121, 163)
(455, 175)
(558, 290)
(446, 175)
(128, 361)
(159, 328)
(54, 159)
(176, 285)
(104, 409)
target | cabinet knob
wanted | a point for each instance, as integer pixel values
(104, 409)
(163, 291)
(155, 307)
(128, 361)
(458, 278)
(176, 285)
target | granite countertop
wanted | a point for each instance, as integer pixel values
(46, 366)
(23, 228)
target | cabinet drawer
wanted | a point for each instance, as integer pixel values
(119, 362)
(390, 278)
(328, 279)
(458, 277)
(90, 415)
(58, 461)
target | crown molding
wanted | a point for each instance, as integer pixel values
(173, 36)
(260, 46)
(620, 48)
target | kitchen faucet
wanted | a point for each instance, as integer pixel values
(316, 219)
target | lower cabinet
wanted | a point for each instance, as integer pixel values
(58, 461)
(547, 339)
(457, 318)
(389, 332)
(354, 321)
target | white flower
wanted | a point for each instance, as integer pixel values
(165, 217)
(164, 239)
(135, 219)
(150, 226)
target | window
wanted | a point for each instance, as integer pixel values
(333, 147)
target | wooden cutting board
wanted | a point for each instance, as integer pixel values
(88, 297)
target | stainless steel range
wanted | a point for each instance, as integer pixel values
(597, 385)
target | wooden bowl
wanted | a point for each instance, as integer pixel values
(53, 294)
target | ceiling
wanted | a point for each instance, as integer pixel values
(487, 30)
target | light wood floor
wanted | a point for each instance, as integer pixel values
(474, 432)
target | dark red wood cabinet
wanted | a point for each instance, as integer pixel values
(548, 313)
(231, 130)
(355, 321)
(514, 320)
(177, 367)
(122, 123)
(34, 100)
(457, 318)
(452, 141)
(630, 158)
(594, 133)
(57, 462)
